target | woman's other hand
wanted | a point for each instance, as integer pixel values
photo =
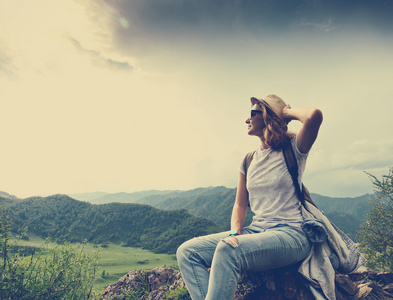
(286, 113)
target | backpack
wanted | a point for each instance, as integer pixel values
(290, 160)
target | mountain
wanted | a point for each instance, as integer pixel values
(170, 197)
(8, 196)
(102, 198)
(347, 213)
(350, 205)
(63, 218)
(216, 205)
(150, 197)
(89, 197)
(213, 203)
(78, 220)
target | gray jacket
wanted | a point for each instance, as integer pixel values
(337, 252)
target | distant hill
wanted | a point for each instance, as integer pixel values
(155, 200)
(212, 203)
(150, 197)
(216, 205)
(88, 196)
(102, 198)
(345, 212)
(65, 219)
(8, 196)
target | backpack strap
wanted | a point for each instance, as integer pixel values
(291, 162)
(247, 161)
(307, 196)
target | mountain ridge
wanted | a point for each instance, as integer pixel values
(139, 196)
(215, 204)
(63, 218)
(135, 197)
(211, 203)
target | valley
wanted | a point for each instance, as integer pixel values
(116, 260)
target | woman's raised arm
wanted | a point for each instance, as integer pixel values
(311, 118)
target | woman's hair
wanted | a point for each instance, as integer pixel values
(275, 132)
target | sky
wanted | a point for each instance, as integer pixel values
(125, 96)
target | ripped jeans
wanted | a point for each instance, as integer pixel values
(257, 249)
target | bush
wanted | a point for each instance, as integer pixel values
(53, 272)
(178, 294)
(376, 235)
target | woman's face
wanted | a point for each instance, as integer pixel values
(255, 123)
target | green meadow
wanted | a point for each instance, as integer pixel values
(116, 260)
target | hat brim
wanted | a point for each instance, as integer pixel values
(262, 102)
(255, 101)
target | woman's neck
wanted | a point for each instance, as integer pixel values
(264, 146)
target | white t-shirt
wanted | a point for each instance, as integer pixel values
(272, 194)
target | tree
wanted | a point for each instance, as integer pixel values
(376, 234)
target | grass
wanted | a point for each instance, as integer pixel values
(117, 261)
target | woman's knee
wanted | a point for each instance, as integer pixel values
(183, 251)
(232, 240)
(226, 248)
(226, 254)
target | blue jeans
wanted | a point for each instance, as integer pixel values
(258, 249)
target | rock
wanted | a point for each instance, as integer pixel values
(389, 288)
(347, 286)
(373, 285)
(273, 285)
(277, 284)
(155, 283)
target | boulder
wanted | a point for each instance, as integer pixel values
(273, 285)
(152, 283)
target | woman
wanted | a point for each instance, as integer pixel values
(274, 238)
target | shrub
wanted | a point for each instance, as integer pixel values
(376, 235)
(53, 272)
(178, 294)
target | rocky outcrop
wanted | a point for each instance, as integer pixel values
(154, 282)
(277, 284)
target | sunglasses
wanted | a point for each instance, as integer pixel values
(255, 112)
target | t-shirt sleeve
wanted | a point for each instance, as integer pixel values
(301, 159)
(299, 155)
(243, 165)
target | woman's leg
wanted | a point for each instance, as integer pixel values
(194, 257)
(270, 249)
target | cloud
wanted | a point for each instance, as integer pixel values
(323, 26)
(7, 67)
(119, 65)
(98, 59)
(359, 155)
(215, 16)
(341, 171)
(47, 36)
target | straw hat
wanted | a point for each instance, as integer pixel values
(273, 101)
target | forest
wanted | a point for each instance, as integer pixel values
(157, 222)
(64, 219)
